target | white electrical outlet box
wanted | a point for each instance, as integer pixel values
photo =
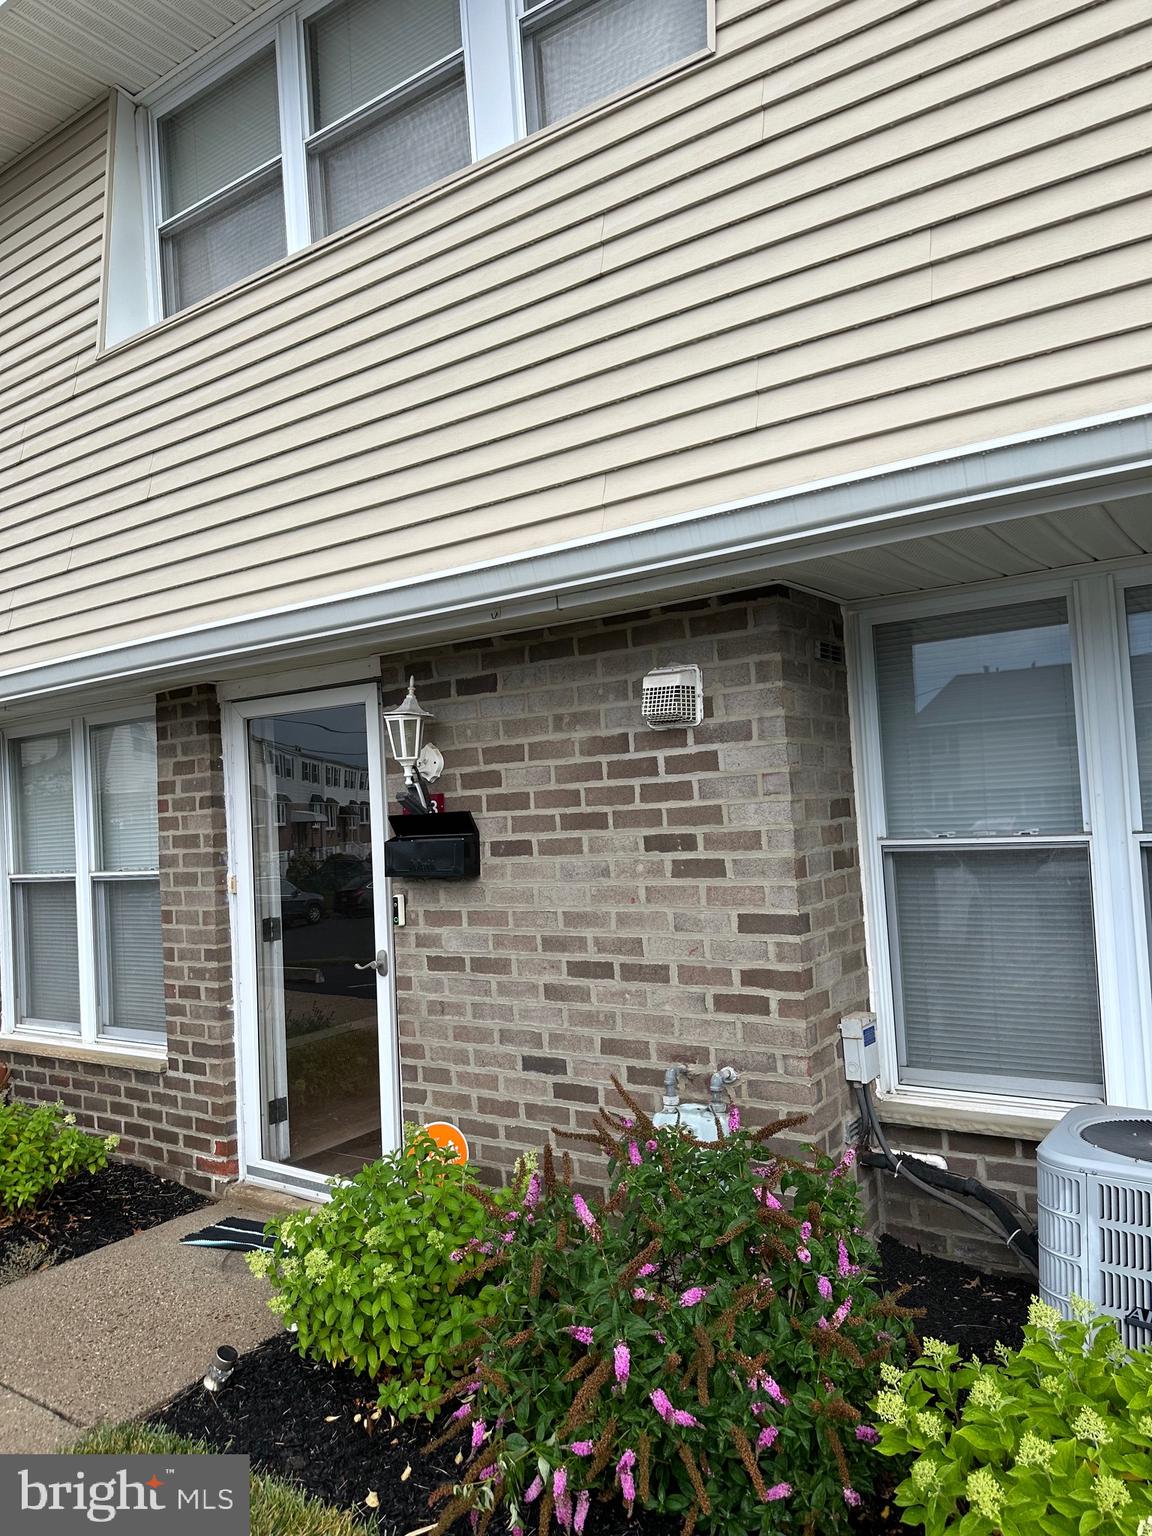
(861, 1048)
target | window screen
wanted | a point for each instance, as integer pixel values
(362, 49)
(223, 134)
(978, 723)
(591, 51)
(391, 156)
(995, 970)
(206, 148)
(1139, 616)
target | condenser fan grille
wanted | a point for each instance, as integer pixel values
(1131, 1138)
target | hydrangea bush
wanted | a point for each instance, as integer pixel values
(1055, 1437)
(368, 1279)
(700, 1342)
(41, 1147)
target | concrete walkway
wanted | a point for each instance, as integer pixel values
(113, 1335)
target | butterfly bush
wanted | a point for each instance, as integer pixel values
(1055, 1436)
(701, 1341)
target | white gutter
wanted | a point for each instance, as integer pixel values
(1075, 464)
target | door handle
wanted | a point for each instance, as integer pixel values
(379, 965)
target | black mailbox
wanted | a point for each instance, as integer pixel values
(443, 847)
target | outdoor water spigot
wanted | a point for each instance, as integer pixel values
(671, 1088)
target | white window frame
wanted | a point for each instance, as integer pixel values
(1110, 790)
(492, 50)
(87, 879)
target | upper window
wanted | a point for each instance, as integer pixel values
(336, 112)
(576, 52)
(221, 185)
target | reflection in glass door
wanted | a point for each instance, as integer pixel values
(321, 968)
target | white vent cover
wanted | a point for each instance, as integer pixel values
(673, 696)
(1094, 1192)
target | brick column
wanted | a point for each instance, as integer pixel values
(201, 1078)
(647, 897)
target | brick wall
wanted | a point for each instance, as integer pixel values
(647, 897)
(180, 1120)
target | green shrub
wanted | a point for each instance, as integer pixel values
(1056, 1438)
(41, 1148)
(688, 1344)
(368, 1281)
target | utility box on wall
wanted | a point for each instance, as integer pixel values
(443, 847)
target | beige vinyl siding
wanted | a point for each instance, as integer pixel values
(864, 231)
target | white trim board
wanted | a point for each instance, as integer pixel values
(1077, 463)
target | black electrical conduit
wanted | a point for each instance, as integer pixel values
(1009, 1225)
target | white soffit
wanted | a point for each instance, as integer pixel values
(1049, 541)
(59, 56)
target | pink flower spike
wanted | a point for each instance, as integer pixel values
(766, 1197)
(805, 1231)
(532, 1194)
(534, 1490)
(580, 1206)
(635, 1156)
(507, 1237)
(866, 1434)
(583, 1501)
(774, 1392)
(627, 1122)
(844, 1264)
(650, 1146)
(582, 1447)
(779, 1491)
(659, 1401)
(462, 1411)
(640, 1294)
(561, 1498)
(803, 1255)
(581, 1334)
(824, 1286)
(684, 1420)
(733, 1119)
(852, 1498)
(766, 1439)
(646, 1269)
(479, 1430)
(622, 1363)
(693, 1296)
(841, 1313)
(626, 1480)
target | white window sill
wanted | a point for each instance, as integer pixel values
(62, 1048)
(1029, 1121)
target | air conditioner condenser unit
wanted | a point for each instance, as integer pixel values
(1094, 1194)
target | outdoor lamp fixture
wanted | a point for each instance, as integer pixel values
(405, 726)
(220, 1371)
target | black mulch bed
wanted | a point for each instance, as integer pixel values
(87, 1213)
(299, 1420)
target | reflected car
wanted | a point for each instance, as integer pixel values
(355, 898)
(297, 905)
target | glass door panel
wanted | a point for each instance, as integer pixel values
(318, 986)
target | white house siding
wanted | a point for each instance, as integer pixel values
(866, 230)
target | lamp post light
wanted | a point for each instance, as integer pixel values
(405, 727)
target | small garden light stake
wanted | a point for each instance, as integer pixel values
(220, 1371)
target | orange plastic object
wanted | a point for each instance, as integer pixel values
(447, 1135)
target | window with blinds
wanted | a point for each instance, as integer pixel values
(221, 185)
(334, 112)
(83, 881)
(992, 939)
(578, 53)
(389, 104)
(126, 858)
